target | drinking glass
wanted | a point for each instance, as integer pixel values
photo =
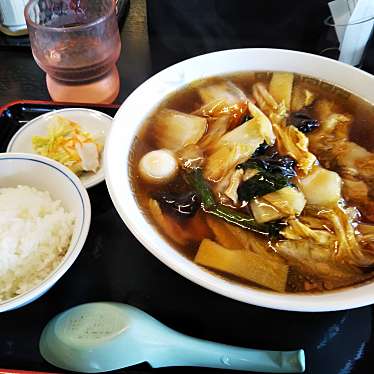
(77, 43)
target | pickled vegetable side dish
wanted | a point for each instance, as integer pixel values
(263, 178)
(67, 143)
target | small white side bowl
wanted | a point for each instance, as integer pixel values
(92, 121)
(145, 99)
(47, 175)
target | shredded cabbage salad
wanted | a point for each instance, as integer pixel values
(68, 144)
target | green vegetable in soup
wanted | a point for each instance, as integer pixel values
(196, 180)
(274, 173)
(235, 217)
(261, 184)
(244, 221)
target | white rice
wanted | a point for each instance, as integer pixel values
(35, 233)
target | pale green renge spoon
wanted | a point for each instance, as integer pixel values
(99, 337)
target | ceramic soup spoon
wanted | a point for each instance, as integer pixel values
(99, 337)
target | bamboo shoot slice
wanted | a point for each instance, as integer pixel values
(281, 88)
(243, 264)
(223, 235)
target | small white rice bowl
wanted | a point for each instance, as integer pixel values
(45, 216)
(35, 233)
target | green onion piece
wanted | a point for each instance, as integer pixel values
(196, 180)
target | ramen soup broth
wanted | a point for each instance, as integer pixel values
(264, 179)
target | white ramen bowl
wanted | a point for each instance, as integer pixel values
(45, 174)
(148, 96)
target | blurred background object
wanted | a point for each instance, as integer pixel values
(12, 20)
(352, 23)
(212, 25)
